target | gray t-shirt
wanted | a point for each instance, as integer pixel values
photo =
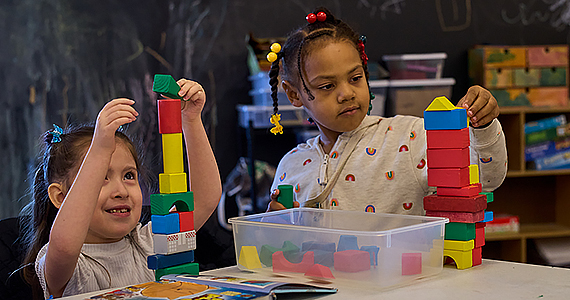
(103, 266)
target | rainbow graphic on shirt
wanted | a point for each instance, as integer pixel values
(334, 154)
(388, 129)
(422, 164)
(349, 177)
(390, 175)
(297, 188)
(307, 161)
(282, 177)
(412, 135)
(486, 160)
(334, 202)
(370, 208)
(370, 151)
(403, 148)
(407, 205)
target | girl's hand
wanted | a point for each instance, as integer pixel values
(194, 98)
(481, 106)
(274, 205)
(114, 114)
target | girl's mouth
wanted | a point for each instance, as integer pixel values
(349, 110)
(119, 211)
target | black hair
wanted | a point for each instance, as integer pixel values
(299, 44)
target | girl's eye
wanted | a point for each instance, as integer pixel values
(130, 176)
(326, 86)
(356, 78)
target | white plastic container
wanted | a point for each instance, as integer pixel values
(396, 236)
(260, 115)
(262, 97)
(411, 97)
(415, 66)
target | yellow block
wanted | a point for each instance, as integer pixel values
(172, 183)
(463, 259)
(248, 257)
(440, 103)
(172, 153)
(458, 245)
(473, 174)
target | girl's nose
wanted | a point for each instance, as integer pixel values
(119, 190)
(345, 92)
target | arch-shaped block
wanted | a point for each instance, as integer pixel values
(281, 264)
(318, 270)
(160, 204)
(462, 259)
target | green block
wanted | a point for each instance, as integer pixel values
(189, 268)
(166, 85)
(285, 195)
(266, 253)
(459, 231)
(489, 195)
(160, 204)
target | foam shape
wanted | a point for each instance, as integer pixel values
(285, 195)
(186, 220)
(451, 177)
(321, 271)
(248, 257)
(488, 216)
(440, 104)
(165, 224)
(160, 204)
(266, 253)
(160, 261)
(174, 243)
(454, 119)
(473, 174)
(461, 217)
(172, 153)
(489, 195)
(373, 251)
(411, 263)
(462, 259)
(347, 242)
(189, 268)
(352, 261)
(459, 245)
(448, 139)
(281, 264)
(476, 256)
(314, 245)
(172, 183)
(460, 231)
(465, 191)
(166, 86)
(480, 234)
(448, 158)
(169, 116)
(460, 204)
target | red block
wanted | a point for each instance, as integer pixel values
(480, 234)
(452, 177)
(448, 158)
(466, 191)
(281, 264)
(460, 217)
(352, 261)
(411, 263)
(459, 204)
(477, 256)
(447, 138)
(169, 116)
(319, 271)
(186, 220)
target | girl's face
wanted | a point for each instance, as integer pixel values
(120, 200)
(335, 76)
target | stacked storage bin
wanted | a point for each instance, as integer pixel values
(174, 236)
(458, 195)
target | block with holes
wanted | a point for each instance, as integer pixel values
(172, 183)
(174, 243)
(172, 153)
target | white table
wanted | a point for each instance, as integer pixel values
(491, 280)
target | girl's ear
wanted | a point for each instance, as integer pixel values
(292, 93)
(56, 194)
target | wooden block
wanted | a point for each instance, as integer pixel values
(172, 183)
(174, 243)
(488, 217)
(266, 253)
(448, 138)
(347, 242)
(172, 153)
(160, 261)
(320, 271)
(169, 116)
(460, 231)
(448, 158)
(456, 204)
(440, 104)
(489, 196)
(248, 257)
(480, 234)
(411, 263)
(452, 177)
(281, 264)
(285, 195)
(186, 220)
(189, 268)
(460, 217)
(462, 259)
(165, 224)
(373, 251)
(473, 174)
(458, 245)
(446, 120)
(160, 204)
(166, 86)
(351, 261)
(477, 256)
(466, 191)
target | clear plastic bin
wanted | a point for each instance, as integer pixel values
(415, 66)
(344, 234)
(260, 115)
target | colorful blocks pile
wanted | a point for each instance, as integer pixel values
(459, 196)
(172, 210)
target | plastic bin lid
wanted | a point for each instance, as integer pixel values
(421, 82)
(424, 56)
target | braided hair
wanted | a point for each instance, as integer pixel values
(301, 42)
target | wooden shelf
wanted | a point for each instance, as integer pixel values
(534, 173)
(533, 110)
(531, 231)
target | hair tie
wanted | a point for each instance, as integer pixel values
(273, 56)
(275, 118)
(320, 16)
(55, 134)
(361, 42)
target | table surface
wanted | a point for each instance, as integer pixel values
(491, 280)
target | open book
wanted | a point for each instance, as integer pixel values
(209, 287)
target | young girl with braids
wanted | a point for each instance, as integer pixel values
(87, 201)
(360, 162)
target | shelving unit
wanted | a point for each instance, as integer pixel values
(541, 199)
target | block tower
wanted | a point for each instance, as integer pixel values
(459, 196)
(173, 229)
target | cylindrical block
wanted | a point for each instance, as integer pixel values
(169, 116)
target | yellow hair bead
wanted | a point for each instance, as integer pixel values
(271, 56)
(275, 47)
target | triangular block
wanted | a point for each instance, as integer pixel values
(440, 103)
(319, 271)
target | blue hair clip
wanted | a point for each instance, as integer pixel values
(56, 134)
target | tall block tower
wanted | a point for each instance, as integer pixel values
(172, 210)
(459, 196)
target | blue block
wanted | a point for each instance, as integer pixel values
(165, 224)
(455, 119)
(488, 216)
(373, 250)
(347, 242)
(307, 246)
(160, 261)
